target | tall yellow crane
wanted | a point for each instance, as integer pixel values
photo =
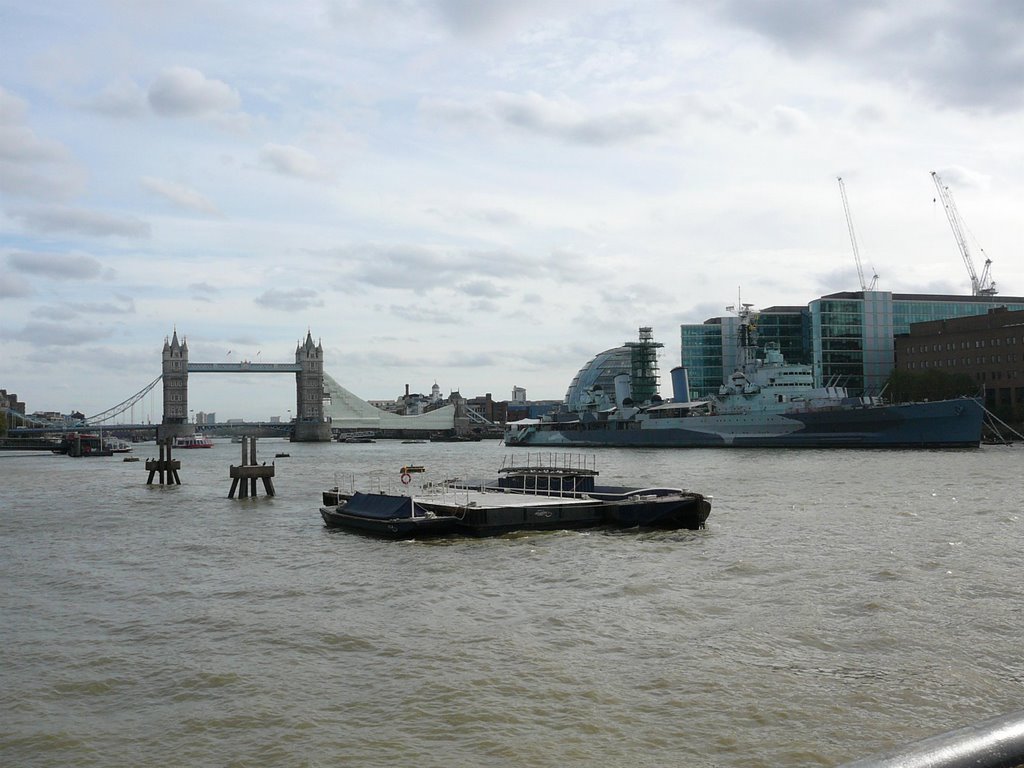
(853, 240)
(980, 286)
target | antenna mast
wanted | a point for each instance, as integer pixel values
(747, 333)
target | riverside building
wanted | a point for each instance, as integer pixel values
(848, 337)
(989, 348)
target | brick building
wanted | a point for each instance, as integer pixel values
(11, 402)
(989, 348)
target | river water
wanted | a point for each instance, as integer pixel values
(839, 603)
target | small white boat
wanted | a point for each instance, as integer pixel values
(117, 445)
(193, 441)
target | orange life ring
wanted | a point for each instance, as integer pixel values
(406, 478)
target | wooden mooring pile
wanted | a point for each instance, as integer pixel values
(249, 472)
(165, 465)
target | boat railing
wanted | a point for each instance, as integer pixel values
(994, 743)
(371, 482)
(560, 492)
(549, 473)
(447, 490)
(549, 460)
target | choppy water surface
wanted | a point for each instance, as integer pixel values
(838, 604)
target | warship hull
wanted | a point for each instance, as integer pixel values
(942, 424)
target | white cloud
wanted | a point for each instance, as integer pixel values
(180, 195)
(54, 219)
(954, 176)
(789, 121)
(968, 55)
(122, 99)
(56, 266)
(46, 334)
(559, 119)
(290, 299)
(123, 305)
(187, 92)
(31, 166)
(204, 288)
(483, 288)
(292, 161)
(13, 286)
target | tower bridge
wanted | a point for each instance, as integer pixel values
(310, 422)
(313, 387)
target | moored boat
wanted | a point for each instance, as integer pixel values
(765, 402)
(79, 444)
(117, 445)
(525, 496)
(193, 441)
(441, 437)
(395, 517)
(356, 437)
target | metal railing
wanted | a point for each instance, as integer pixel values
(994, 743)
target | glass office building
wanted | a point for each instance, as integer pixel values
(790, 328)
(847, 336)
(710, 350)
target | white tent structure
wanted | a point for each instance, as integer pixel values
(347, 411)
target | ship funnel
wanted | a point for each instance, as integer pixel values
(623, 391)
(680, 385)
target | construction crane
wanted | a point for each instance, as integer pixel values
(980, 286)
(853, 240)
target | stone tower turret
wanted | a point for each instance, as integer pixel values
(175, 381)
(310, 424)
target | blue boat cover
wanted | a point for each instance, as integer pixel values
(378, 507)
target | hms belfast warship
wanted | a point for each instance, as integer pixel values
(763, 403)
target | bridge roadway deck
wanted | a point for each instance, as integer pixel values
(244, 367)
(225, 427)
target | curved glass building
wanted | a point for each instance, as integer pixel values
(602, 371)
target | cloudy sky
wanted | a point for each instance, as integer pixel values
(481, 194)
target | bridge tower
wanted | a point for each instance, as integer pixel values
(175, 379)
(310, 424)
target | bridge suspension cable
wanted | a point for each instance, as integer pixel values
(123, 406)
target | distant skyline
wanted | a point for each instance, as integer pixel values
(484, 195)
